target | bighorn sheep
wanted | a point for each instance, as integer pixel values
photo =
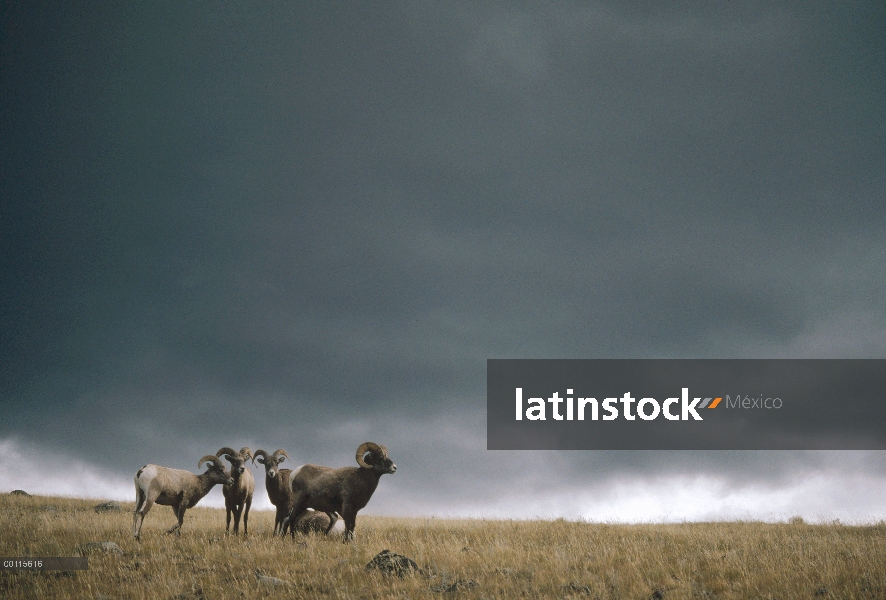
(176, 488)
(276, 482)
(314, 521)
(279, 492)
(344, 490)
(238, 496)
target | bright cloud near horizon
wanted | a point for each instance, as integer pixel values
(306, 226)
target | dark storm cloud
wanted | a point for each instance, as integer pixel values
(252, 224)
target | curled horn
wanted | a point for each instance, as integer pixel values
(370, 447)
(229, 451)
(280, 452)
(260, 454)
(213, 459)
(246, 452)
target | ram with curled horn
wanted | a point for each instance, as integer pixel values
(238, 496)
(345, 490)
(280, 494)
(176, 488)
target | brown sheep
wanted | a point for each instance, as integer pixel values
(238, 496)
(279, 492)
(176, 488)
(345, 490)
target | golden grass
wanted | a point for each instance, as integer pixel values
(504, 559)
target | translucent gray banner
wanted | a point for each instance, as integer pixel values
(44, 563)
(686, 404)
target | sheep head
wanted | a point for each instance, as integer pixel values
(373, 456)
(237, 459)
(216, 470)
(270, 461)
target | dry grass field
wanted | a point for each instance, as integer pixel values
(458, 558)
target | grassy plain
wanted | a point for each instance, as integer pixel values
(459, 558)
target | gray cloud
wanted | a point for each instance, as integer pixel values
(304, 226)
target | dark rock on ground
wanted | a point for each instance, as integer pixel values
(393, 564)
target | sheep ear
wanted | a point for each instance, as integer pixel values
(368, 458)
(281, 459)
(260, 460)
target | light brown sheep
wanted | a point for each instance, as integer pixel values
(238, 496)
(176, 488)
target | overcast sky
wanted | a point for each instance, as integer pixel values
(308, 225)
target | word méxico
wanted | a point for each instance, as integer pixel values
(647, 408)
(749, 402)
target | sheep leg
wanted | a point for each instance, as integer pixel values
(139, 517)
(139, 499)
(297, 511)
(289, 524)
(179, 511)
(350, 517)
(246, 515)
(237, 510)
(286, 523)
(279, 520)
(181, 519)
